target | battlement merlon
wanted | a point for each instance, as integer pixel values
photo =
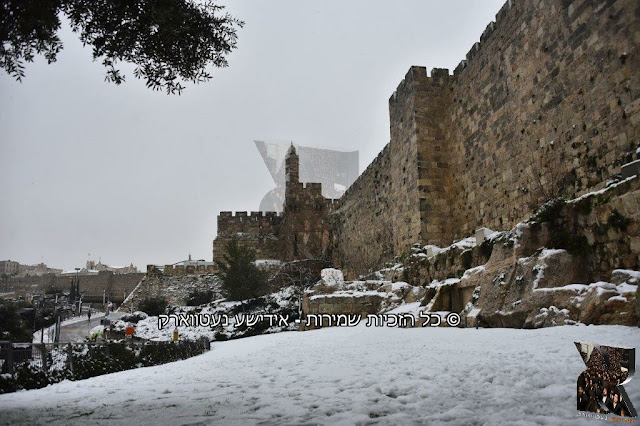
(418, 75)
(488, 31)
(313, 188)
(440, 75)
(502, 21)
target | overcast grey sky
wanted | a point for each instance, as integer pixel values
(130, 175)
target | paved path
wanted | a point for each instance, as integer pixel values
(77, 331)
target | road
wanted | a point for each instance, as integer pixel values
(77, 331)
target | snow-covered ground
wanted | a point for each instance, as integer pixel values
(355, 375)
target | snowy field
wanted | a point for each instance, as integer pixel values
(332, 376)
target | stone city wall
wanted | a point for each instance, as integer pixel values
(92, 286)
(545, 105)
(257, 230)
(361, 224)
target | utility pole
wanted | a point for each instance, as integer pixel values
(77, 291)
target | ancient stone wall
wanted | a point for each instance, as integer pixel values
(301, 232)
(547, 104)
(304, 233)
(603, 228)
(421, 156)
(362, 226)
(257, 231)
(179, 270)
(92, 286)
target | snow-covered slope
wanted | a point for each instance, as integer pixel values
(337, 375)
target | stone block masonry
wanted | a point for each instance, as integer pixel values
(300, 232)
(547, 104)
(256, 230)
(93, 287)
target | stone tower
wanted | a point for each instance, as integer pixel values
(292, 166)
(304, 233)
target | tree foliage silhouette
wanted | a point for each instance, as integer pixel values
(169, 41)
(241, 278)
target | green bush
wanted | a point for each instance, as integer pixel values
(153, 306)
(12, 326)
(241, 278)
(197, 298)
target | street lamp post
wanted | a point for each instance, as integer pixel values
(77, 290)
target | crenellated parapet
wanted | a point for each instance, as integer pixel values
(504, 20)
(254, 222)
(195, 269)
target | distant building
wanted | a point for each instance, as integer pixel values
(301, 231)
(191, 262)
(37, 270)
(184, 267)
(80, 272)
(9, 267)
(14, 268)
(92, 265)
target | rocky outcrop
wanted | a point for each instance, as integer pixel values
(175, 289)
(557, 268)
(333, 296)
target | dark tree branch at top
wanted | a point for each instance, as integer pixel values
(170, 42)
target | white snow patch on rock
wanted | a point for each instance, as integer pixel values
(332, 277)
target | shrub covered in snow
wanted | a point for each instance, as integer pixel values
(90, 360)
(134, 317)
